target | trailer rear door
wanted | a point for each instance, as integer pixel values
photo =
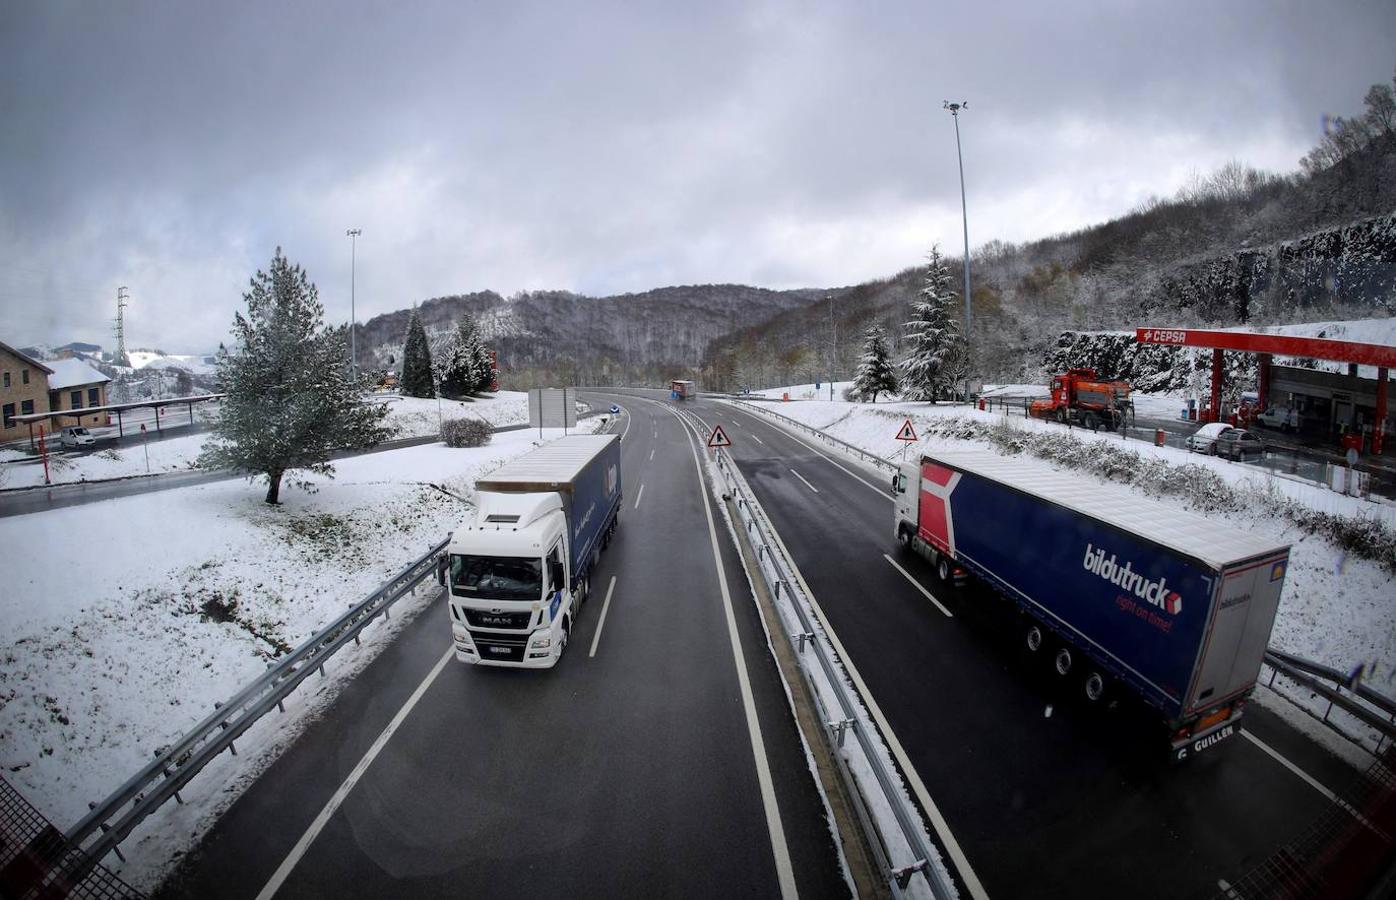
(1240, 628)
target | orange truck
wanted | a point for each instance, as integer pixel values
(1081, 397)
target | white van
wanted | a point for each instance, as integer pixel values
(76, 436)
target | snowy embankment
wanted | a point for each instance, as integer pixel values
(407, 416)
(1338, 607)
(186, 596)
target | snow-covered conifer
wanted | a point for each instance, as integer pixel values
(463, 368)
(933, 336)
(416, 360)
(291, 397)
(875, 372)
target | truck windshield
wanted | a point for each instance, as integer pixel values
(497, 577)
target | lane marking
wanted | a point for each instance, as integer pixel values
(805, 480)
(651, 455)
(833, 462)
(916, 584)
(758, 440)
(1313, 782)
(638, 496)
(311, 833)
(913, 778)
(601, 622)
(785, 872)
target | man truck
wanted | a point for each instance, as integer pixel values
(1173, 607)
(518, 571)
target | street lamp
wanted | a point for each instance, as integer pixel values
(834, 345)
(353, 235)
(964, 215)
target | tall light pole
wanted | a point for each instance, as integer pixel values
(834, 345)
(964, 215)
(353, 235)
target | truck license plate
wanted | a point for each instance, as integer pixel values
(1197, 745)
(498, 651)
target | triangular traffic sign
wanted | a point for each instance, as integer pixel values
(907, 433)
(719, 438)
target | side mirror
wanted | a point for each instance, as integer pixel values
(442, 564)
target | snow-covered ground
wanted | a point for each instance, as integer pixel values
(185, 597)
(408, 416)
(1336, 609)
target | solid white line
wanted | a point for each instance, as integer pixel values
(805, 480)
(785, 872)
(913, 778)
(289, 863)
(601, 622)
(626, 430)
(638, 496)
(916, 584)
(1311, 781)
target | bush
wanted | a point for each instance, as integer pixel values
(466, 432)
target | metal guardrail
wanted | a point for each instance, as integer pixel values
(174, 766)
(849, 716)
(1304, 672)
(1364, 704)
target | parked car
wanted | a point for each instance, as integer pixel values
(1204, 440)
(1238, 443)
(1282, 417)
(76, 436)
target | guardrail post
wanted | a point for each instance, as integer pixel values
(840, 729)
(903, 875)
(802, 637)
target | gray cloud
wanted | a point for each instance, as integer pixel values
(607, 147)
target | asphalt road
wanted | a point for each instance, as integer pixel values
(626, 773)
(1045, 793)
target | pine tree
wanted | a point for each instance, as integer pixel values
(933, 335)
(875, 372)
(458, 366)
(416, 361)
(291, 397)
(484, 369)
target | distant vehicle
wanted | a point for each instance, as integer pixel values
(1204, 440)
(1238, 443)
(615, 409)
(1174, 608)
(518, 571)
(76, 436)
(681, 390)
(1080, 397)
(1282, 417)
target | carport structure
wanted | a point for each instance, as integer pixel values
(119, 408)
(1268, 346)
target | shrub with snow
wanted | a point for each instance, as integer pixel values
(466, 432)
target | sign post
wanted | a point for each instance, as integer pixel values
(907, 435)
(145, 443)
(43, 453)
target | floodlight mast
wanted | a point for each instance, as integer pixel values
(964, 216)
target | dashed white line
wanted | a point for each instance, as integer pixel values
(805, 480)
(279, 876)
(916, 584)
(651, 455)
(758, 440)
(601, 622)
(638, 496)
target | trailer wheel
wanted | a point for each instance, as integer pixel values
(1062, 662)
(1095, 686)
(1034, 638)
(943, 569)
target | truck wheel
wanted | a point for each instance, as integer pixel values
(1062, 662)
(1091, 421)
(1061, 416)
(1034, 639)
(904, 538)
(943, 569)
(1095, 686)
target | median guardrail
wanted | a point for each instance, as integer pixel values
(864, 764)
(110, 821)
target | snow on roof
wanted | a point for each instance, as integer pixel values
(69, 373)
(24, 357)
(559, 462)
(1216, 543)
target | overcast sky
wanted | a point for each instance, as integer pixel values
(604, 148)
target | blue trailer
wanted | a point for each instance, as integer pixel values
(1174, 606)
(520, 569)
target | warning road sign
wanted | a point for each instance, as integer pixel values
(907, 433)
(719, 438)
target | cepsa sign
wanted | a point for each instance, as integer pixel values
(1162, 336)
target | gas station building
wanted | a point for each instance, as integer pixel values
(1352, 403)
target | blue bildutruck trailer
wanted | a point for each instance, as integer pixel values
(1176, 607)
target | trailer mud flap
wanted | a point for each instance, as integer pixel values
(1198, 743)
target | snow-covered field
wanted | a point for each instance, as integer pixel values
(408, 416)
(1336, 609)
(183, 597)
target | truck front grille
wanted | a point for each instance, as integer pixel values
(502, 647)
(479, 618)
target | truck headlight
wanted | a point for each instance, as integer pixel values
(541, 639)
